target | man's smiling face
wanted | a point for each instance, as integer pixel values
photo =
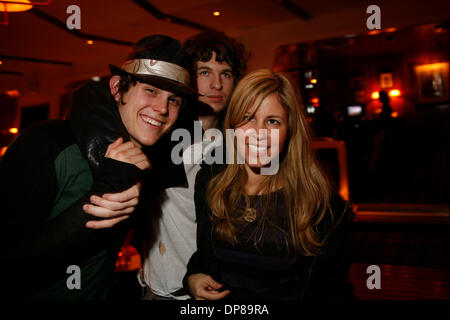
(148, 112)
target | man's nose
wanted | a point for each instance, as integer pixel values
(216, 82)
(161, 105)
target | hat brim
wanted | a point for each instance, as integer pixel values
(159, 82)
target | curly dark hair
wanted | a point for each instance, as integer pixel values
(201, 46)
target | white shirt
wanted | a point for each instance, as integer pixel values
(165, 265)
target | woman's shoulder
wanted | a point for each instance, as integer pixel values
(339, 214)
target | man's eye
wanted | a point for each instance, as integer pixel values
(203, 73)
(176, 102)
(227, 75)
(150, 90)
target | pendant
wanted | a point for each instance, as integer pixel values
(250, 215)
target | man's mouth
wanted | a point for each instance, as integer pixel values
(151, 121)
(215, 98)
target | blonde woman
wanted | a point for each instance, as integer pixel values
(276, 235)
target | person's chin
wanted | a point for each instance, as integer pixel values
(217, 108)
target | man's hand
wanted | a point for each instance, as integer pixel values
(203, 287)
(128, 152)
(112, 207)
(116, 207)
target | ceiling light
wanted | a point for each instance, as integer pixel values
(216, 13)
(394, 93)
(89, 42)
(375, 95)
(15, 6)
(13, 130)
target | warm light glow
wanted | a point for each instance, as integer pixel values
(375, 95)
(313, 81)
(374, 32)
(394, 93)
(3, 150)
(216, 13)
(13, 130)
(1, 62)
(394, 114)
(12, 93)
(431, 67)
(15, 7)
(89, 42)
(315, 100)
(393, 29)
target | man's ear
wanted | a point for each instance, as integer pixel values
(114, 87)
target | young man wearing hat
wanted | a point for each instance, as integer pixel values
(57, 170)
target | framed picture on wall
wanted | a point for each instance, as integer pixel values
(432, 82)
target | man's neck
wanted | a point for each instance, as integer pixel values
(209, 121)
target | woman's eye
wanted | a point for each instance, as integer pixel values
(273, 121)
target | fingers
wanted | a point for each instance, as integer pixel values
(123, 196)
(103, 224)
(105, 213)
(204, 287)
(213, 294)
(113, 205)
(127, 152)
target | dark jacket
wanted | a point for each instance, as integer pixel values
(321, 277)
(46, 176)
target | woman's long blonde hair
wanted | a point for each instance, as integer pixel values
(305, 188)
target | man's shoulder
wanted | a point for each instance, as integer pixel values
(45, 134)
(57, 130)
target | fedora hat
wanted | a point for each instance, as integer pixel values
(159, 61)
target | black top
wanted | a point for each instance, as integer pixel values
(268, 274)
(265, 269)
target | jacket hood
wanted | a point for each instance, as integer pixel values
(95, 121)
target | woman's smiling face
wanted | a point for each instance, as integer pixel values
(262, 136)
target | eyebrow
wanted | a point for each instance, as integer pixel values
(269, 116)
(153, 87)
(208, 68)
